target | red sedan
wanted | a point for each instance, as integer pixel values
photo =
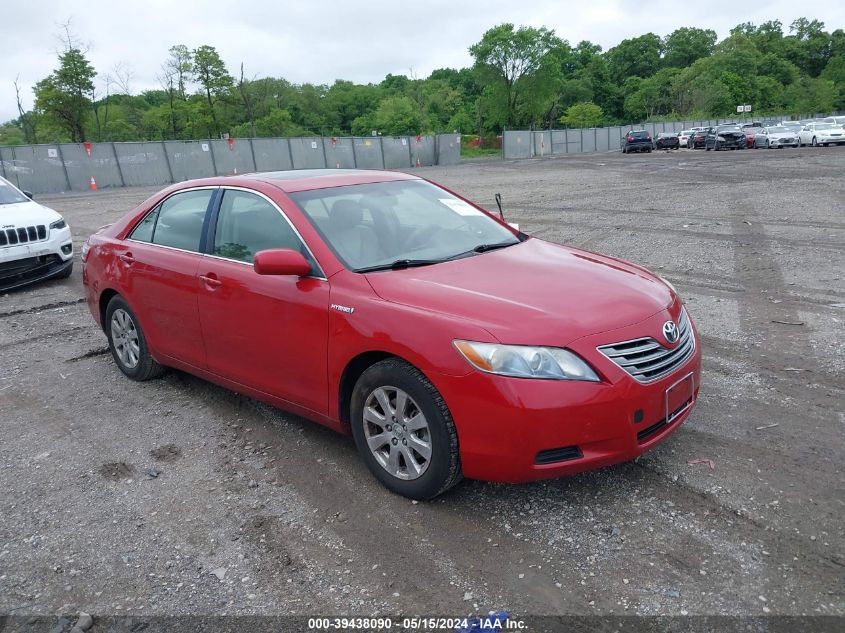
(446, 342)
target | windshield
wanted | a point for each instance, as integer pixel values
(824, 126)
(399, 223)
(9, 193)
(777, 129)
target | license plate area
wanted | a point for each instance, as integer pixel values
(679, 397)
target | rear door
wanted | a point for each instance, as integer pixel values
(267, 332)
(160, 263)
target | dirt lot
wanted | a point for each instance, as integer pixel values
(255, 511)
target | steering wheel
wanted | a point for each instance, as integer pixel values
(420, 235)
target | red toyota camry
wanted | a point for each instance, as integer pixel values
(379, 304)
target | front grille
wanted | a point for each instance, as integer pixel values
(552, 455)
(23, 235)
(19, 269)
(646, 359)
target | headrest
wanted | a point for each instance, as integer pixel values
(345, 214)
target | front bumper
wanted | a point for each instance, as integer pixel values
(32, 262)
(511, 430)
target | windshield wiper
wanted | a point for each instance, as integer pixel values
(399, 264)
(483, 248)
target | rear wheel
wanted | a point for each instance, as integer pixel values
(127, 342)
(404, 430)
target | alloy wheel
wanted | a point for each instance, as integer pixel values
(397, 433)
(124, 337)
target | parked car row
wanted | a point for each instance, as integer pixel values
(756, 135)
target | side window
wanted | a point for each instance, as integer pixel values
(180, 220)
(247, 223)
(143, 232)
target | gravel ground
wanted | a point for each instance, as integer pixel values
(177, 497)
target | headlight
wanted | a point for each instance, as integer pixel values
(522, 361)
(58, 224)
(721, 138)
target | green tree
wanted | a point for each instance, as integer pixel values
(63, 95)
(685, 45)
(506, 57)
(582, 115)
(210, 73)
(636, 57)
(180, 65)
(277, 123)
(396, 116)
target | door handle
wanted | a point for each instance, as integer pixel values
(127, 258)
(211, 281)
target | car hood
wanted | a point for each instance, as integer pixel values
(533, 293)
(27, 213)
(783, 135)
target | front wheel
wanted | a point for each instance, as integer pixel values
(404, 430)
(127, 342)
(814, 142)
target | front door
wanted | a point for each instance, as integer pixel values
(266, 332)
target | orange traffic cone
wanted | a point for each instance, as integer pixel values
(93, 184)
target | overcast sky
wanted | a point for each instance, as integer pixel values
(319, 41)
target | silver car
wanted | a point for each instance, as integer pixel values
(775, 136)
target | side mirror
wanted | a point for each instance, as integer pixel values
(28, 194)
(281, 261)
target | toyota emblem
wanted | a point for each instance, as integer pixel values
(670, 331)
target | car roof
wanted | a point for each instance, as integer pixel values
(306, 179)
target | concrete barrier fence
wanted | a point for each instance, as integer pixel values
(54, 168)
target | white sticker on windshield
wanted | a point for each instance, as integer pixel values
(460, 207)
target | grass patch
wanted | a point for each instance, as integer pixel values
(476, 152)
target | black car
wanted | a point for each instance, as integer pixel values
(667, 140)
(697, 139)
(725, 137)
(636, 141)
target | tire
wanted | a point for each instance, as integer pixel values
(814, 142)
(768, 145)
(121, 320)
(389, 379)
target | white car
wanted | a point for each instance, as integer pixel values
(821, 134)
(683, 137)
(775, 136)
(836, 120)
(35, 242)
